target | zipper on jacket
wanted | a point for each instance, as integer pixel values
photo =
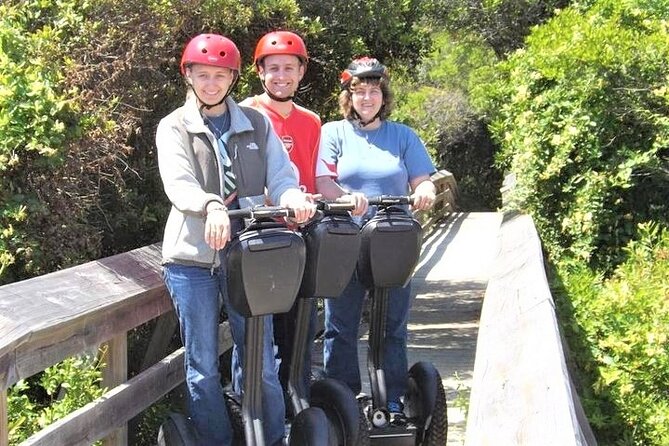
(214, 148)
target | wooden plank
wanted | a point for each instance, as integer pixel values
(160, 339)
(115, 373)
(98, 419)
(521, 392)
(61, 314)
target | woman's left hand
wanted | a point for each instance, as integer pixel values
(424, 196)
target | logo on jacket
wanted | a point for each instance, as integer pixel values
(287, 141)
(252, 146)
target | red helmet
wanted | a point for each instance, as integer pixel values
(361, 68)
(280, 42)
(211, 49)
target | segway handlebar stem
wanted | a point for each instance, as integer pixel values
(389, 200)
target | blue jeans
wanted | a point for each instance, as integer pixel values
(340, 348)
(196, 295)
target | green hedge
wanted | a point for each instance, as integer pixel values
(621, 324)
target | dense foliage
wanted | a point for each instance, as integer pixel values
(438, 107)
(65, 387)
(581, 116)
(82, 92)
(621, 322)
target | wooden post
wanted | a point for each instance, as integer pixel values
(4, 424)
(115, 372)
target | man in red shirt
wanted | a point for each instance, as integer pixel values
(281, 61)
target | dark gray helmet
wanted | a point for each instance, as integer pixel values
(361, 68)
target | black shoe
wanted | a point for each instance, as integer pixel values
(396, 412)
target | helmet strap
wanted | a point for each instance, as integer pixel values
(227, 93)
(273, 96)
(360, 123)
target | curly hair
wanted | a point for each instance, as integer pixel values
(346, 101)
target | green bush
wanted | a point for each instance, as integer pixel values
(581, 118)
(61, 389)
(625, 322)
(36, 120)
(438, 109)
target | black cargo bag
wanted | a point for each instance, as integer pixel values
(265, 264)
(333, 246)
(390, 248)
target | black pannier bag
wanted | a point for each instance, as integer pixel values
(333, 246)
(265, 263)
(390, 248)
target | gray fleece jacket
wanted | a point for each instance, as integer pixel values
(191, 168)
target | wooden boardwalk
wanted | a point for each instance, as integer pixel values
(449, 284)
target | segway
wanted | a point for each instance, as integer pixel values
(333, 246)
(390, 249)
(265, 263)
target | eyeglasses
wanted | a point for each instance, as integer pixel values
(362, 92)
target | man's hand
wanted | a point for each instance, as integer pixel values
(302, 204)
(357, 199)
(217, 226)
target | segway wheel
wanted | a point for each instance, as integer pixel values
(425, 404)
(345, 419)
(236, 418)
(176, 431)
(309, 428)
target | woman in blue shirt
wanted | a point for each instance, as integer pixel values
(360, 156)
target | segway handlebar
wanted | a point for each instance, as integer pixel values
(334, 206)
(389, 200)
(261, 212)
(268, 212)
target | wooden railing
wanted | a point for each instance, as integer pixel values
(522, 393)
(47, 319)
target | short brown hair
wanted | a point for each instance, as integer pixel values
(346, 103)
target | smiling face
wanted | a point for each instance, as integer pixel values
(210, 83)
(366, 98)
(281, 74)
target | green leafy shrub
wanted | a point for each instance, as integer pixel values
(625, 321)
(581, 118)
(61, 389)
(437, 106)
(35, 122)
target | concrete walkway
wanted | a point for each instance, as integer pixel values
(449, 284)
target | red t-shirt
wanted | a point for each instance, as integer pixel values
(300, 133)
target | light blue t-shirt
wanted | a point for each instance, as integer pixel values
(375, 162)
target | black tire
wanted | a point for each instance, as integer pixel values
(236, 419)
(176, 431)
(425, 404)
(309, 428)
(345, 418)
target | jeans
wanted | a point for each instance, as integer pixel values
(196, 295)
(340, 348)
